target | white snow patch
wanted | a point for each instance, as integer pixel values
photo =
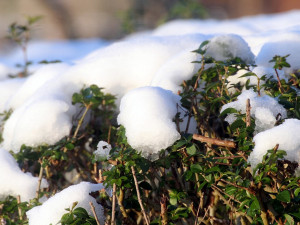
(286, 135)
(260, 105)
(52, 210)
(228, 46)
(44, 121)
(103, 149)
(14, 182)
(147, 114)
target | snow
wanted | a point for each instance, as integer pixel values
(43, 75)
(33, 125)
(52, 210)
(147, 114)
(286, 135)
(103, 149)
(8, 88)
(176, 70)
(263, 108)
(228, 46)
(283, 45)
(14, 182)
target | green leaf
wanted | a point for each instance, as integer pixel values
(191, 150)
(289, 219)
(196, 168)
(173, 201)
(70, 146)
(284, 196)
(213, 170)
(255, 205)
(80, 212)
(297, 192)
(67, 218)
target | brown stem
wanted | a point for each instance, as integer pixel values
(279, 82)
(94, 213)
(248, 113)
(39, 183)
(113, 205)
(238, 186)
(120, 202)
(229, 157)
(19, 208)
(87, 107)
(164, 210)
(139, 195)
(214, 141)
(108, 135)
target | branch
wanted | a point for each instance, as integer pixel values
(113, 205)
(94, 213)
(214, 141)
(248, 115)
(139, 195)
(19, 208)
(163, 210)
(39, 183)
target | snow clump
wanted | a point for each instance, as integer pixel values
(52, 210)
(44, 121)
(263, 108)
(103, 149)
(286, 135)
(14, 182)
(147, 114)
(229, 46)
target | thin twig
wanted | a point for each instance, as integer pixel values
(94, 213)
(19, 208)
(248, 114)
(139, 195)
(229, 157)
(202, 219)
(39, 183)
(87, 107)
(163, 210)
(113, 204)
(214, 141)
(238, 186)
(279, 82)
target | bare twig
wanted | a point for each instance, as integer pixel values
(113, 205)
(139, 195)
(163, 210)
(279, 82)
(202, 219)
(248, 115)
(19, 209)
(39, 183)
(87, 107)
(94, 213)
(214, 141)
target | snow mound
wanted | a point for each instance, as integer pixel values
(52, 210)
(14, 182)
(44, 121)
(263, 108)
(228, 46)
(8, 88)
(286, 135)
(287, 44)
(42, 76)
(147, 114)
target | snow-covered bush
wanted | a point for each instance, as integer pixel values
(175, 126)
